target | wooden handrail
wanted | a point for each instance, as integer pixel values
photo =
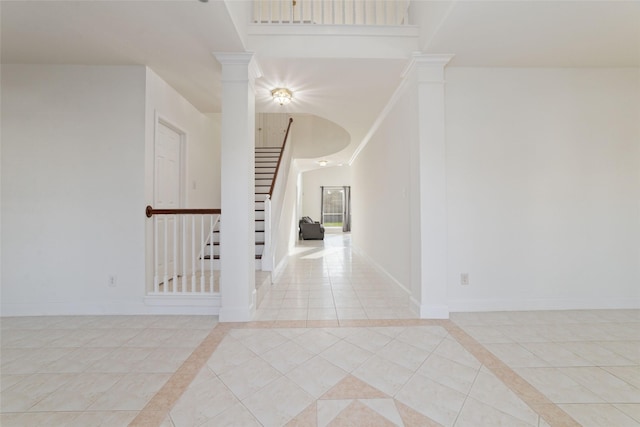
(149, 211)
(284, 143)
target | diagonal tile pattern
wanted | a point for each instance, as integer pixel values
(369, 364)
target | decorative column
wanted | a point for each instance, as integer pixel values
(237, 227)
(431, 149)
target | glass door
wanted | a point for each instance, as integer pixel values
(333, 206)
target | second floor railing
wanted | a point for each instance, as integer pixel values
(331, 12)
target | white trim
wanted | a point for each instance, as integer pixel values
(114, 308)
(424, 311)
(417, 57)
(238, 66)
(277, 272)
(535, 304)
(411, 31)
(382, 271)
(165, 121)
(381, 118)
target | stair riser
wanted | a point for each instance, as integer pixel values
(216, 250)
(216, 265)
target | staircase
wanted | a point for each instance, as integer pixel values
(266, 161)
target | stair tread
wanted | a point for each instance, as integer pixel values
(218, 257)
(258, 243)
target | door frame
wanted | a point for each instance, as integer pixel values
(182, 174)
(160, 119)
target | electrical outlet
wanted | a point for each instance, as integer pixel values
(464, 279)
(113, 280)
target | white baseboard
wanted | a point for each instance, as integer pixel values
(382, 271)
(277, 272)
(537, 304)
(150, 305)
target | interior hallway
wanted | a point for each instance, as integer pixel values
(326, 280)
(331, 346)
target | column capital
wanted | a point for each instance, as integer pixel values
(430, 67)
(238, 66)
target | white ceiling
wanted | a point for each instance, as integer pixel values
(175, 38)
(540, 33)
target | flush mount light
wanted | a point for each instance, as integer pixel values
(282, 95)
(323, 162)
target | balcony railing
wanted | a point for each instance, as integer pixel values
(331, 12)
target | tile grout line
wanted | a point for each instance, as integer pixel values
(536, 400)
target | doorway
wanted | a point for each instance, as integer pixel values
(168, 192)
(336, 207)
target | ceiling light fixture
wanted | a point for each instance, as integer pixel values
(282, 95)
(323, 162)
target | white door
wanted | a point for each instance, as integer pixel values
(167, 186)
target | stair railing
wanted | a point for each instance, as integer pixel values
(331, 12)
(277, 187)
(180, 239)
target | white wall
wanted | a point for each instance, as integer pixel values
(543, 189)
(288, 225)
(382, 192)
(77, 172)
(543, 192)
(337, 176)
(72, 189)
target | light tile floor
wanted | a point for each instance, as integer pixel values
(325, 280)
(557, 368)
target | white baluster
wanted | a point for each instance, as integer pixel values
(210, 237)
(406, 13)
(364, 12)
(166, 255)
(194, 254)
(184, 253)
(322, 12)
(344, 12)
(353, 20)
(375, 12)
(333, 12)
(175, 253)
(202, 245)
(156, 267)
